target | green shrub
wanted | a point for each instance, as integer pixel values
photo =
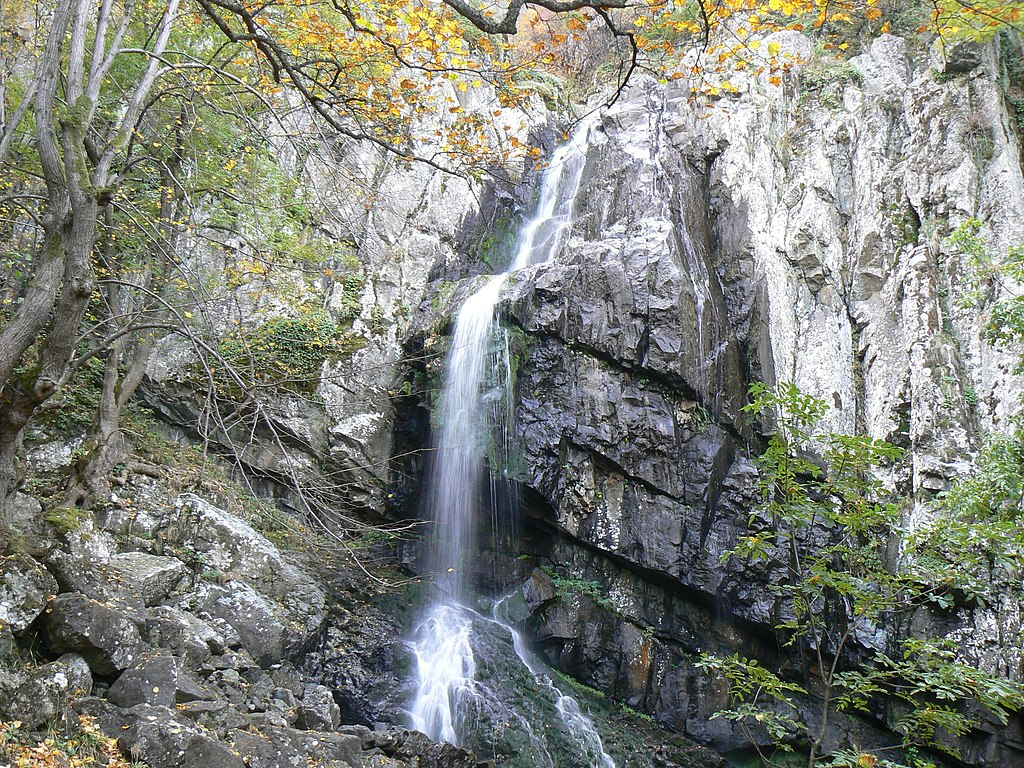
(286, 351)
(835, 526)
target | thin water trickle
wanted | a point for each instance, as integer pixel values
(568, 708)
(448, 693)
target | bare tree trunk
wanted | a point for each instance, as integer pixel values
(15, 413)
(106, 446)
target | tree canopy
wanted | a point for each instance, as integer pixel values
(131, 133)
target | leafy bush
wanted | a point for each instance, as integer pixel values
(994, 282)
(977, 525)
(832, 524)
(286, 351)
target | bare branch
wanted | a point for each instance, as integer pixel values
(508, 24)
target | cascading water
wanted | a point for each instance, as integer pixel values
(450, 700)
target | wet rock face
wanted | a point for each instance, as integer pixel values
(636, 283)
(635, 468)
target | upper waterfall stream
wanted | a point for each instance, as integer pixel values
(453, 701)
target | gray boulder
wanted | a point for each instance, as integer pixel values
(25, 587)
(271, 632)
(39, 694)
(187, 637)
(107, 637)
(88, 561)
(81, 564)
(150, 681)
(275, 746)
(418, 750)
(159, 737)
(319, 711)
(233, 547)
(150, 578)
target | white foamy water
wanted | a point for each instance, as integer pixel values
(442, 643)
(444, 660)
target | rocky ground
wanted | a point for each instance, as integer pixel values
(191, 635)
(192, 639)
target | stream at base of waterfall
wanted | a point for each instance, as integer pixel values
(478, 684)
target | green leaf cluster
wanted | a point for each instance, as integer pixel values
(832, 525)
(994, 283)
(976, 536)
(566, 586)
(287, 351)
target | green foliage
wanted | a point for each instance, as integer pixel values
(755, 688)
(971, 396)
(578, 687)
(994, 283)
(503, 454)
(825, 76)
(701, 419)
(350, 304)
(638, 714)
(1012, 77)
(75, 410)
(831, 524)
(497, 245)
(977, 525)
(905, 222)
(948, 77)
(286, 351)
(827, 69)
(550, 87)
(443, 292)
(568, 586)
(518, 347)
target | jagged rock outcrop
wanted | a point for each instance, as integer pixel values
(392, 224)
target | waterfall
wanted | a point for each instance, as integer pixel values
(449, 698)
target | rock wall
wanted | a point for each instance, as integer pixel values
(784, 233)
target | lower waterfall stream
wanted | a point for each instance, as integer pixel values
(458, 700)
